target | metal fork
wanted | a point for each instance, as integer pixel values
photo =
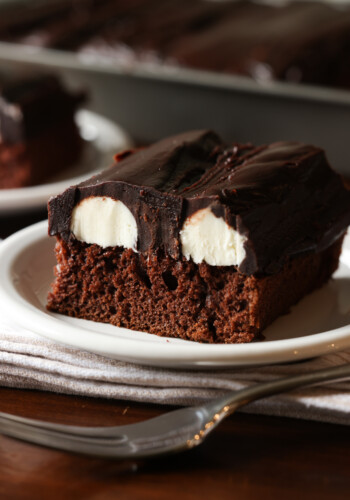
(172, 432)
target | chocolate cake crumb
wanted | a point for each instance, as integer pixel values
(178, 298)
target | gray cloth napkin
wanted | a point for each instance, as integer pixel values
(31, 362)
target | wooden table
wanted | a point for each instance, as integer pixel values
(248, 457)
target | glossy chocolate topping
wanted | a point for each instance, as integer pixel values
(283, 197)
(29, 105)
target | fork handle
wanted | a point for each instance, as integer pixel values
(230, 403)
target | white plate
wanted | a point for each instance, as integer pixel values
(319, 324)
(102, 138)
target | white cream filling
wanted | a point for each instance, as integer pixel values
(105, 222)
(206, 238)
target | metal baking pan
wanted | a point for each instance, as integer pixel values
(151, 102)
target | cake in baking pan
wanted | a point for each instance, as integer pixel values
(297, 41)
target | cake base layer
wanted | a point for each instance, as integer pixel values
(172, 298)
(39, 159)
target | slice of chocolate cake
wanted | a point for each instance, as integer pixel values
(196, 239)
(38, 134)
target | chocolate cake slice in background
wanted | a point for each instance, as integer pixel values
(38, 134)
(197, 239)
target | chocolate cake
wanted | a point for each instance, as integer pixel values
(304, 41)
(197, 239)
(38, 134)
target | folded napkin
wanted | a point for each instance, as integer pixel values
(28, 361)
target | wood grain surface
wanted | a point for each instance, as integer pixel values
(248, 457)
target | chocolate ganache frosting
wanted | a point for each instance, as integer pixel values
(281, 199)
